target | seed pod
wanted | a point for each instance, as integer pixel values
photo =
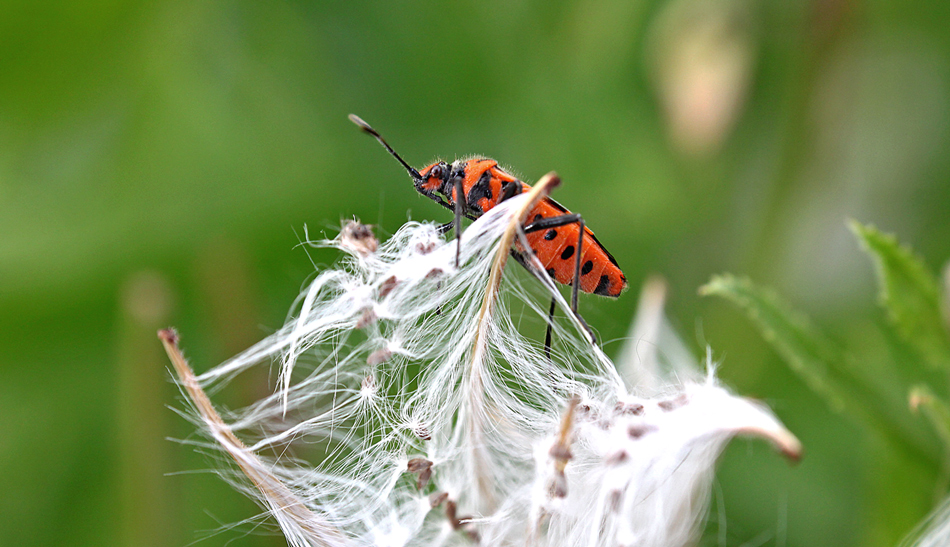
(358, 238)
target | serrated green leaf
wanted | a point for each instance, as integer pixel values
(823, 366)
(909, 292)
(790, 333)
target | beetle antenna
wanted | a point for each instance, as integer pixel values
(366, 127)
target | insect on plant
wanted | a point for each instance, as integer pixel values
(567, 249)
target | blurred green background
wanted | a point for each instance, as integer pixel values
(159, 159)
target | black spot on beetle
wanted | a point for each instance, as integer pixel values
(550, 272)
(568, 252)
(603, 286)
(537, 218)
(550, 234)
(587, 267)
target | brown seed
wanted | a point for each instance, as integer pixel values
(366, 318)
(387, 286)
(358, 238)
(425, 248)
(437, 498)
(378, 356)
(423, 468)
(456, 521)
(637, 431)
(617, 458)
(422, 432)
(628, 409)
(558, 486)
(416, 465)
(424, 477)
(614, 500)
(450, 509)
(673, 404)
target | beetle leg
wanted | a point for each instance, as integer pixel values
(459, 213)
(554, 222)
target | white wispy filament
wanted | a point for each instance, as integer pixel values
(410, 410)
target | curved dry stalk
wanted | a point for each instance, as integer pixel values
(544, 186)
(479, 346)
(283, 503)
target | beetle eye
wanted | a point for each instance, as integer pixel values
(436, 172)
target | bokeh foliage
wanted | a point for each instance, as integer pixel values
(158, 161)
(918, 338)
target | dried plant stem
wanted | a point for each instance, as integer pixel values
(474, 372)
(561, 451)
(283, 502)
(541, 189)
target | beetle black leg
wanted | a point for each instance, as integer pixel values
(563, 220)
(555, 222)
(444, 228)
(547, 333)
(459, 212)
(575, 285)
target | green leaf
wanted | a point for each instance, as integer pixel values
(824, 367)
(909, 292)
(790, 333)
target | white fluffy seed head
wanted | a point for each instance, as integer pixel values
(387, 360)
(934, 531)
